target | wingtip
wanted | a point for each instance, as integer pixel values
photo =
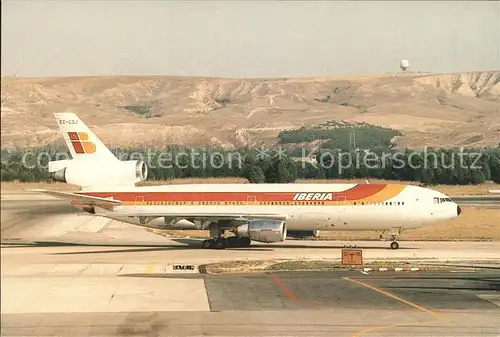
(36, 190)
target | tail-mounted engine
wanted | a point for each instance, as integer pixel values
(263, 230)
(94, 173)
(140, 168)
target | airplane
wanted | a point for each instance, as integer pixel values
(252, 212)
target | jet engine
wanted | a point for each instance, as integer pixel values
(303, 234)
(92, 173)
(263, 230)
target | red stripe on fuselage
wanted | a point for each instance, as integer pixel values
(196, 196)
(357, 192)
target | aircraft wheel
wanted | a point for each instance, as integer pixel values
(394, 245)
(232, 242)
(244, 242)
(219, 244)
(206, 244)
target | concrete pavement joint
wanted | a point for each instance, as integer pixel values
(439, 317)
(386, 293)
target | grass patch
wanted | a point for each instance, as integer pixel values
(337, 135)
(319, 265)
(237, 266)
(142, 110)
(305, 265)
(138, 109)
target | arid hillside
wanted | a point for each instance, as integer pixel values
(429, 110)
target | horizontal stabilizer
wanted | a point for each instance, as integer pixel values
(75, 196)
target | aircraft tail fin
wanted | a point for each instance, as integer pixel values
(81, 141)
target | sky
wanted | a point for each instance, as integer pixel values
(246, 39)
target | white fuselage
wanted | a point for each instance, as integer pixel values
(352, 207)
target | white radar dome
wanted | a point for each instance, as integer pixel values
(404, 64)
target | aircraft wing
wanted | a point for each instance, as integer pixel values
(202, 216)
(85, 198)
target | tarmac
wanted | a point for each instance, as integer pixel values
(70, 275)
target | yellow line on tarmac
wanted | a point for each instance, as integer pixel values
(361, 332)
(388, 294)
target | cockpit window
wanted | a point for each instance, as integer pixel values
(441, 200)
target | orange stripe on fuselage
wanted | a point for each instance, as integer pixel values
(388, 192)
(358, 192)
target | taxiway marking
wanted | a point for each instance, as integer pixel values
(388, 294)
(291, 296)
(402, 300)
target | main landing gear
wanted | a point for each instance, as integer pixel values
(223, 243)
(218, 241)
(394, 237)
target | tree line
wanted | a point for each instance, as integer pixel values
(432, 166)
(338, 135)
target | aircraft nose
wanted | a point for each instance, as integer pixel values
(459, 210)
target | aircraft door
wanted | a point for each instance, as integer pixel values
(341, 209)
(139, 200)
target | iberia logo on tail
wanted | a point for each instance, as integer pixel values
(81, 143)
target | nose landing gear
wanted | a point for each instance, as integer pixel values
(394, 245)
(394, 238)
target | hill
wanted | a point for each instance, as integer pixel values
(440, 110)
